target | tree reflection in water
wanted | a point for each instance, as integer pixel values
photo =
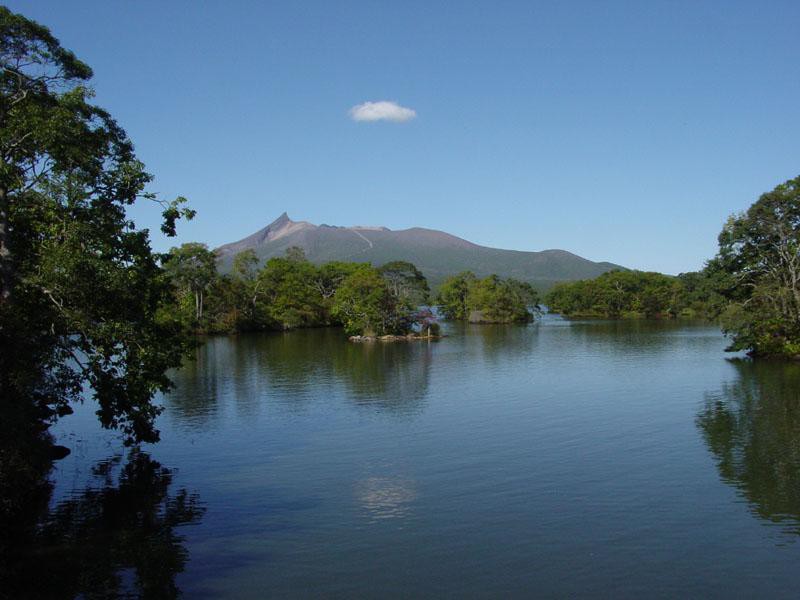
(752, 426)
(390, 377)
(118, 538)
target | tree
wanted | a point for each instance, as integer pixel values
(291, 298)
(501, 301)
(331, 275)
(246, 286)
(406, 281)
(523, 295)
(760, 250)
(453, 297)
(366, 306)
(80, 288)
(193, 268)
(618, 294)
(245, 265)
(703, 293)
(296, 254)
(490, 300)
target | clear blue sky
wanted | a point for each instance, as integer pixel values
(622, 131)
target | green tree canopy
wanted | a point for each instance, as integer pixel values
(618, 293)
(760, 250)
(287, 293)
(453, 296)
(491, 299)
(296, 254)
(245, 265)
(331, 275)
(287, 289)
(406, 281)
(365, 304)
(80, 287)
(193, 268)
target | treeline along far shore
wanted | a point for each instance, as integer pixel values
(751, 288)
(290, 292)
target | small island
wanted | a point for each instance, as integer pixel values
(409, 337)
(465, 297)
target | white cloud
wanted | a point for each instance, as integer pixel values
(383, 110)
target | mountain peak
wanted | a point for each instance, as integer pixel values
(279, 228)
(436, 253)
(280, 221)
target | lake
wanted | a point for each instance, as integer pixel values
(557, 459)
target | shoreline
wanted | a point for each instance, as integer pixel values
(392, 338)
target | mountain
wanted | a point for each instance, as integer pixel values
(436, 253)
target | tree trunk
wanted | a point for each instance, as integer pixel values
(6, 262)
(6, 266)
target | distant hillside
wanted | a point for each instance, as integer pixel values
(436, 253)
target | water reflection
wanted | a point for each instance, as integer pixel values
(296, 369)
(752, 426)
(501, 341)
(635, 336)
(391, 377)
(198, 383)
(118, 537)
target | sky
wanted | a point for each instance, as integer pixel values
(620, 131)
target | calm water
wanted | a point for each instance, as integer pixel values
(582, 459)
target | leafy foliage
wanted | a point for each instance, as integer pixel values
(618, 293)
(80, 288)
(454, 296)
(193, 268)
(642, 294)
(290, 292)
(406, 281)
(489, 300)
(760, 252)
(752, 286)
(366, 304)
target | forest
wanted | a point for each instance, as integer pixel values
(751, 287)
(639, 294)
(290, 292)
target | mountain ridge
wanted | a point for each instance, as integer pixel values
(437, 254)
